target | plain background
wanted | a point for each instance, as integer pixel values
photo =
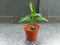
(11, 10)
(50, 8)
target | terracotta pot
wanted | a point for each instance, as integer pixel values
(31, 35)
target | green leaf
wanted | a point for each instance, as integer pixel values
(32, 8)
(41, 18)
(38, 15)
(45, 19)
(27, 18)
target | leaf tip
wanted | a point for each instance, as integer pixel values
(45, 19)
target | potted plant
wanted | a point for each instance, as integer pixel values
(31, 29)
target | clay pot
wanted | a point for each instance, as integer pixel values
(31, 35)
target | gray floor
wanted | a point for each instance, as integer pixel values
(13, 34)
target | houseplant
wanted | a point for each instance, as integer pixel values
(31, 29)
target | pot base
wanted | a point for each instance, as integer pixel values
(31, 40)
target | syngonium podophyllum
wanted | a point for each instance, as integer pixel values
(32, 16)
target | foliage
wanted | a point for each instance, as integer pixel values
(32, 16)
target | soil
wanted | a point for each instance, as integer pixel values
(32, 27)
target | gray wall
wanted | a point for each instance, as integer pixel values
(12, 9)
(43, 7)
(50, 8)
(54, 7)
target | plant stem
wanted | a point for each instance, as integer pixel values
(32, 19)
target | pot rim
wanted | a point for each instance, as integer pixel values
(26, 25)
